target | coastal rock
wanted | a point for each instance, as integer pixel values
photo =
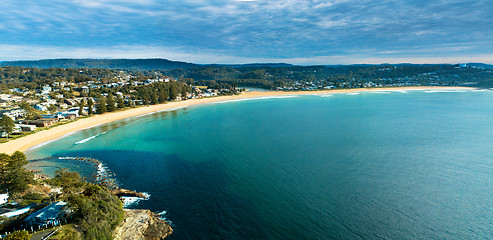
(142, 224)
(120, 192)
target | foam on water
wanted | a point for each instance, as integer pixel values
(256, 98)
(162, 216)
(131, 201)
(88, 139)
(443, 91)
(380, 92)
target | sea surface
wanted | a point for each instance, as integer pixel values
(369, 165)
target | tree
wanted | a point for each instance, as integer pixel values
(31, 113)
(69, 181)
(90, 103)
(154, 98)
(173, 93)
(81, 107)
(13, 175)
(111, 103)
(52, 108)
(120, 104)
(163, 96)
(7, 125)
(183, 93)
(101, 105)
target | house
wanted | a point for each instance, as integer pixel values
(46, 90)
(26, 127)
(49, 215)
(39, 123)
(70, 114)
(70, 102)
(41, 107)
(4, 198)
(54, 116)
(14, 113)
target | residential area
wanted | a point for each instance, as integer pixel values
(57, 102)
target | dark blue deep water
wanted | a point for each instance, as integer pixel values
(384, 165)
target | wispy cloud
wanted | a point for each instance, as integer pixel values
(247, 29)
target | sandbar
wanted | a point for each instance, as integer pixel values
(29, 141)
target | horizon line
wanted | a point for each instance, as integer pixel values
(244, 63)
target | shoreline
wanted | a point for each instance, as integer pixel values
(43, 137)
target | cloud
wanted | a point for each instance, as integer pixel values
(267, 29)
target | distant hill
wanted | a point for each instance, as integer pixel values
(254, 65)
(131, 64)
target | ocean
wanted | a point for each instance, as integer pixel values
(368, 165)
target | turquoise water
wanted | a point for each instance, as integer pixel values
(385, 165)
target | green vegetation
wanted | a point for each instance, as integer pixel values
(101, 105)
(97, 211)
(90, 104)
(7, 125)
(31, 113)
(13, 176)
(18, 235)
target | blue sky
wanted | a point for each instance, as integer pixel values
(242, 31)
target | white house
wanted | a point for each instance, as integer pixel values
(4, 198)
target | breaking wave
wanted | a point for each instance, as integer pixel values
(88, 139)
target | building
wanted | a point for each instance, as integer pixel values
(49, 215)
(16, 213)
(39, 123)
(14, 113)
(26, 127)
(4, 198)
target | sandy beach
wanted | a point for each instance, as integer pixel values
(26, 142)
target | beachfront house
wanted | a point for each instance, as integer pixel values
(26, 127)
(49, 215)
(38, 123)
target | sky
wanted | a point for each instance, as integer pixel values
(303, 32)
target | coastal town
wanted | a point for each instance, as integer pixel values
(25, 110)
(35, 206)
(35, 99)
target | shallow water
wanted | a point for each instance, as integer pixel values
(399, 165)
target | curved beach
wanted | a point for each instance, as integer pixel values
(26, 142)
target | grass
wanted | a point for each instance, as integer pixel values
(68, 231)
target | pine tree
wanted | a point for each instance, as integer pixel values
(173, 93)
(111, 103)
(154, 98)
(81, 107)
(163, 96)
(101, 105)
(90, 103)
(7, 125)
(120, 103)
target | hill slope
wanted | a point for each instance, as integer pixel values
(133, 64)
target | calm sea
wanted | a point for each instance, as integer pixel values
(373, 165)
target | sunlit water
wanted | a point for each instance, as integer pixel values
(373, 165)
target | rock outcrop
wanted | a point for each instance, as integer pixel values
(120, 192)
(142, 224)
